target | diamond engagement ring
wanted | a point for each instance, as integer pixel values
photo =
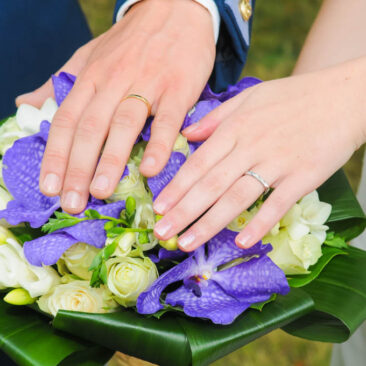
(260, 180)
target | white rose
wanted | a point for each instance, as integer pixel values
(181, 145)
(9, 132)
(131, 185)
(129, 277)
(77, 296)
(16, 272)
(29, 118)
(294, 256)
(5, 197)
(125, 243)
(78, 259)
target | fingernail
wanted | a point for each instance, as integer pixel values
(244, 240)
(192, 128)
(72, 200)
(51, 183)
(148, 162)
(186, 240)
(162, 227)
(101, 183)
(159, 207)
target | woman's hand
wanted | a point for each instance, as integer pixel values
(163, 50)
(293, 132)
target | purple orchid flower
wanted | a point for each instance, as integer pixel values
(62, 84)
(168, 255)
(48, 249)
(22, 166)
(219, 295)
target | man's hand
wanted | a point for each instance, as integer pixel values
(163, 50)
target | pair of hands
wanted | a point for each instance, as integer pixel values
(294, 132)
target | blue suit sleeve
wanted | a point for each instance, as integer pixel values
(232, 46)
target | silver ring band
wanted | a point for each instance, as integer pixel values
(260, 180)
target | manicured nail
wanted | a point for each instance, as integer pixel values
(244, 240)
(192, 128)
(72, 200)
(162, 227)
(186, 240)
(101, 183)
(159, 207)
(51, 183)
(148, 162)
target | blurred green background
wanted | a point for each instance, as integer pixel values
(279, 30)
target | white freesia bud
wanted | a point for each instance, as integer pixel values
(129, 277)
(78, 259)
(125, 243)
(240, 222)
(16, 272)
(19, 296)
(131, 185)
(29, 118)
(170, 244)
(181, 145)
(294, 256)
(77, 296)
(308, 216)
(145, 218)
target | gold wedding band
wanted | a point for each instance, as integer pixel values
(142, 99)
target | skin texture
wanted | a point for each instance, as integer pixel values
(307, 127)
(294, 132)
(153, 51)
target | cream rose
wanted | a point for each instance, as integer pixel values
(181, 145)
(77, 296)
(78, 259)
(129, 277)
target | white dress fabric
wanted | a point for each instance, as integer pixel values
(353, 352)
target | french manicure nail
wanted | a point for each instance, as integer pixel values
(162, 227)
(101, 183)
(186, 240)
(51, 183)
(149, 162)
(244, 240)
(159, 207)
(72, 200)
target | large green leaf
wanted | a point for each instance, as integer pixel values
(339, 294)
(27, 337)
(181, 341)
(347, 218)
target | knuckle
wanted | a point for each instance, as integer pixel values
(89, 127)
(77, 174)
(196, 164)
(158, 146)
(109, 158)
(123, 120)
(64, 119)
(55, 158)
(164, 121)
(236, 195)
(213, 184)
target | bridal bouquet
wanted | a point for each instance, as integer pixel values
(103, 271)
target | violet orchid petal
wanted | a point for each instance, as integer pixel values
(149, 301)
(47, 249)
(172, 255)
(92, 231)
(199, 111)
(126, 172)
(146, 131)
(157, 183)
(62, 84)
(21, 170)
(213, 303)
(253, 281)
(231, 91)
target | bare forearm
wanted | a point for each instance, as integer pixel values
(337, 35)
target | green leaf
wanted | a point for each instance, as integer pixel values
(110, 249)
(96, 261)
(92, 214)
(335, 241)
(339, 294)
(259, 305)
(103, 274)
(54, 224)
(143, 238)
(28, 338)
(328, 254)
(25, 233)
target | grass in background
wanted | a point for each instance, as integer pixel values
(279, 30)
